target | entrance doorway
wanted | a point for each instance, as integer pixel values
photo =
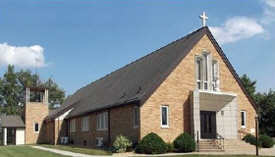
(208, 124)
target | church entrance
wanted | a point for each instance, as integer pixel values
(208, 124)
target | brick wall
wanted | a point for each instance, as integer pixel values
(121, 122)
(174, 91)
(35, 113)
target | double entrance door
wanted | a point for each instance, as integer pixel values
(208, 124)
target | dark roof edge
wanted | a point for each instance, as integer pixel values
(52, 117)
(146, 96)
(137, 102)
(231, 69)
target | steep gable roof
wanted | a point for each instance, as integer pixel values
(135, 82)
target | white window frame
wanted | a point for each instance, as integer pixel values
(206, 72)
(167, 113)
(214, 72)
(199, 80)
(85, 123)
(37, 127)
(135, 117)
(243, 112)
(72, 125)
(102, 122)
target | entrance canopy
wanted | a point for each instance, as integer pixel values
(214, 101)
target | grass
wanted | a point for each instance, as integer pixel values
(74, 149)
(199, 155)
(25, 151)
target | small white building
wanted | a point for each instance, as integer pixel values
(13, 128)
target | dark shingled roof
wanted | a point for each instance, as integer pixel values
(135, 82)
(12, 121)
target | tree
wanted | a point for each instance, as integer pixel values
(250, 85)
(266, 103)
(9, 92)
(56, 94)
(13, 86)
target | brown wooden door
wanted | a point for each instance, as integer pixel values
(208, 124)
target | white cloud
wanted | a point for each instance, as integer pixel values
(269, 12)
(22, 57)
(270, 3)
(236, 28)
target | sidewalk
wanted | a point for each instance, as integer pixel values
(63, 152)
(262, 151)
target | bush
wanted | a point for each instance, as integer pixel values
(252, 140)
(266, 141)
(122, 143)
(184, 143)
(170, 147)
(249, 138)
(151, 144)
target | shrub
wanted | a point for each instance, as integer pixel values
(184, 143)
(170, 147)
(151, 144)
(251, 139)
(266, 141)
(122, 143)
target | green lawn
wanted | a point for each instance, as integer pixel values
(25, 151)
(199, 155)
(74, 149)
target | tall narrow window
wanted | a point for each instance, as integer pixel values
(198, 72)
(102, 121)
(136, 117)
(214, 73)
(72, 125)
(205, 71)
(85, 124)
(36, 127)
(164, 116)
(243, 119)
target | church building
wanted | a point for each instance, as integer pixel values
(188, 86)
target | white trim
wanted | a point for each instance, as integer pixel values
(63, 116)
(102, 122)
(167, 113)
(243, 126)
(34, 127)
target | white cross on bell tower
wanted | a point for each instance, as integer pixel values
(204, 18)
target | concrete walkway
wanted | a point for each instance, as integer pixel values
(262, 151)
(63, 152)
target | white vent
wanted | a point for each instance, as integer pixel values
(99, 141)
(64, 140)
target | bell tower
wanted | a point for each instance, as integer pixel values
(36, 109)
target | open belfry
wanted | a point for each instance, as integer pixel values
(36, 109)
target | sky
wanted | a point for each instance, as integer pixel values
(78, 42)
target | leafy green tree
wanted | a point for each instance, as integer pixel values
(266, 102)
(56, 94)
(13, 90)
(9, 92)
(250, 85)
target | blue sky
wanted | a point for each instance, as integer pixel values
(77, 42)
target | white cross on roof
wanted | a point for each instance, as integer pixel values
(204, 18)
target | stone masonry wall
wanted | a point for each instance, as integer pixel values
(35, 113)
(175, 92)
(121, 122)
